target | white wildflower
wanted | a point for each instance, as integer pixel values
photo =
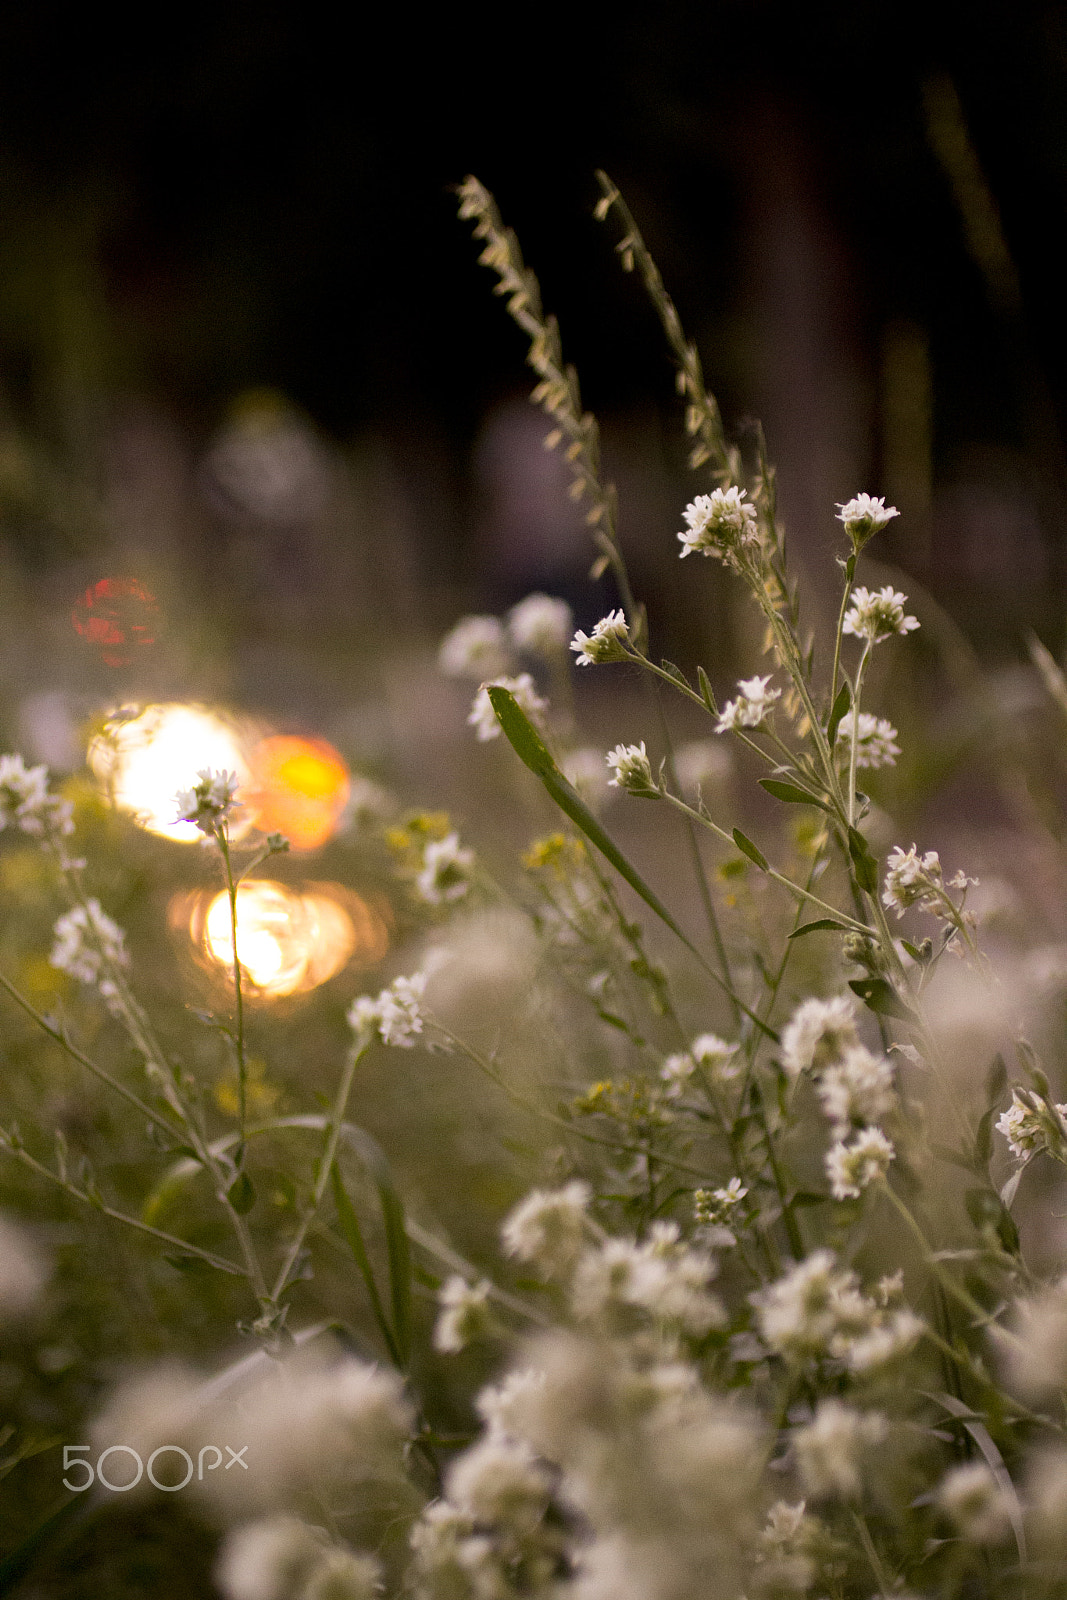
(788, 1545)
(875, 740)
(1031, 1125)
(865, 515)
(979, 1506)
(475, 648)
(86, 942)
(852, 1167)
(445, 875)
(802, 1313)
(210, 802)
(632, 769)
(715, 1208)
(395, 1015)
(875, 614)
(23, 1271)
(504, 1407)
(465, 1314)
(340, 1575)
(719, 524)
(482, 717)
(451, 1559)
(27, 803)
(752, 706)
(831, 1449)
(540, 624)
(607, 642)
(715, 1055)
(549, 1227)
(268, 1560)
(912, 879)
(676, 1072)
(858, 1088)
(818, 1033)
(500, 1481)
(894, 1334)
(1035, 1360)
(660, 1276)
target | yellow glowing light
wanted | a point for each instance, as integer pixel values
(288, 942)
(146, 759)
(299, 787)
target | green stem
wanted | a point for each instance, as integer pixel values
(881, 1576)
(857, 690)
(239, 1042)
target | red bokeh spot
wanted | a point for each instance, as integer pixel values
(119, 617)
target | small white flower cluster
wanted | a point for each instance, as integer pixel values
(752, 706)
(715, 1212)
(394, 1016)
(833, 1449)
(854, 1086)
(661, 1277)
(912, 879)
(720, 524)
(549, 1227)
(27, 803)
(282, 1558)
(789, 1548)
(712, 1054)
(482, 717)
(1035, 1359)
(875, 740)
(975, 1503)
(607, 642)
(210, 803)
(864, 516)
(465, 1314)
(632, 770)
(1032, 1124)
(876, 613)
(445, 874)
(818, 1310)
(86, 942)
(484, 647)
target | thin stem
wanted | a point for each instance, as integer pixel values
(75, 1054)
(23, 1155)
(881, 1576)
(239, 1042)
(857, 690)
(850, 575)
(322, 1176)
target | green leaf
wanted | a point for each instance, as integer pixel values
(747, 848)
(839, 709)
(532, 751)
(706, 691)
(881, 997)
(676, 673)
(983, 1138)
(865, 864)
(791, 793)
(996, 1080)
(818, 926)
(241, 1194)
(346, 1216)
(399, 1254)
(192, 1264)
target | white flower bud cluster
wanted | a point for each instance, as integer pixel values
(445, 874)
(465, 1314)
(632, 770)
(484, 648)
(394, 1015)
(875, 740)
(282, 1558)
(1032, 1124)
(711, 1054)
(549, 1227)
(818, 1310)
(912, 879)
(660, 1277)
(721, 524)
(753, 705)
(86, 944)
(607, 642)
(975, 1503)
(210, 803)
(875, 614)
(540, 624)
(832, 1451)
(27, 803)
(790, 1546)
(864, 516)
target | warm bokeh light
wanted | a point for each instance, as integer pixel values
(119, 617)
(298, 787)
(145, 759)
(288, 941)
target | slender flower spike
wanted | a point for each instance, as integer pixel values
(607, 642)
(875, 740)
(752, 706)
(719, 524)
(864, 516)
(875, 614)
(632, 769)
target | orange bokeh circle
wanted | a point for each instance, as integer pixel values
(298, 787)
